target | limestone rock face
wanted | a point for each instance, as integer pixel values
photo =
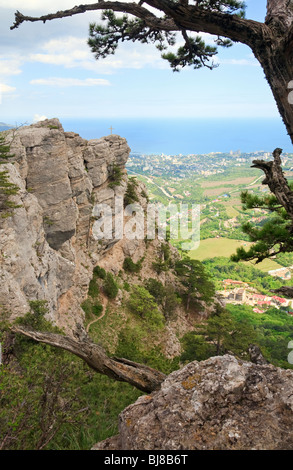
(218, 404)
(46, 249)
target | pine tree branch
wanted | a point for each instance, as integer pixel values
(139, 375)
(194, 18)
(131, 8)
(179, 16)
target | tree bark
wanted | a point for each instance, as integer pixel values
(287, 291)
(279, 14)
(276, 59)
(276, 181)
(139, 375)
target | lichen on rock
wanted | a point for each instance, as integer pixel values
(218, 404)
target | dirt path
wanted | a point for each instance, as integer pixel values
(104, 302)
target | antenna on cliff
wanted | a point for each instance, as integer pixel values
(111, 129)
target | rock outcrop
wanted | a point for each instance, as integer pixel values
(218, 404)
(47, 248)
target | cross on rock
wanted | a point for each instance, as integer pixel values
(111, 129)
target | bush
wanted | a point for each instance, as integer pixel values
(143, 304)
(131, 267)
(93, 289)
(164, 295)
(97, 309)
(126, 286)
(110, 286)
(171, 303)
(91, 307)
(35, 318)
(116, 177)
(99, 272)
(156, 289)
(196, 348)
(130, 195)
(160, 265)
(7, 188)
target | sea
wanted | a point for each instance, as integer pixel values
(188, 136)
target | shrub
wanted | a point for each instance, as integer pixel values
(97, 309)
(93, 288)
(7, 188)
(110, 286)
(156, 289)
(131, 267)
(35, 318)
(99, 272)
(126, 286)
(116, 176)
(130, 195)
(143, 304)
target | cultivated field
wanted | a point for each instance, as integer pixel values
(233, 181)
(212, 247)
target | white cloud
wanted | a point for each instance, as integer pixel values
(10, 66)
(73, 52)
(46, 5)
(69, 82)
(6, 88)
(39, 117)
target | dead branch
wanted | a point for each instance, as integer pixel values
(139, 375)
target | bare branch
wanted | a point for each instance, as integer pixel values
(139, 375)
(131, 8)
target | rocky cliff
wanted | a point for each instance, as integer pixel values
(47, 248)
(218, 404)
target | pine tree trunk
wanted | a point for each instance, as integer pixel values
(278, 69)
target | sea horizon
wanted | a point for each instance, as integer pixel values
(174, 136)
(188, 135)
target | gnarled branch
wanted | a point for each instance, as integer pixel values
(178, 16)
(131, 8)
(139, 375)
(276, 180)
(287, 291)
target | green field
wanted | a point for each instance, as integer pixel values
(231, 211)
(212, 247)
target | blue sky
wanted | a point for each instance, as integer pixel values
(47, 70)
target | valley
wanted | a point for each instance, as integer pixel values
(215, 182)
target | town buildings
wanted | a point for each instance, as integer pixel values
(238, 292)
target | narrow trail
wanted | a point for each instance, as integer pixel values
(104, 302)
